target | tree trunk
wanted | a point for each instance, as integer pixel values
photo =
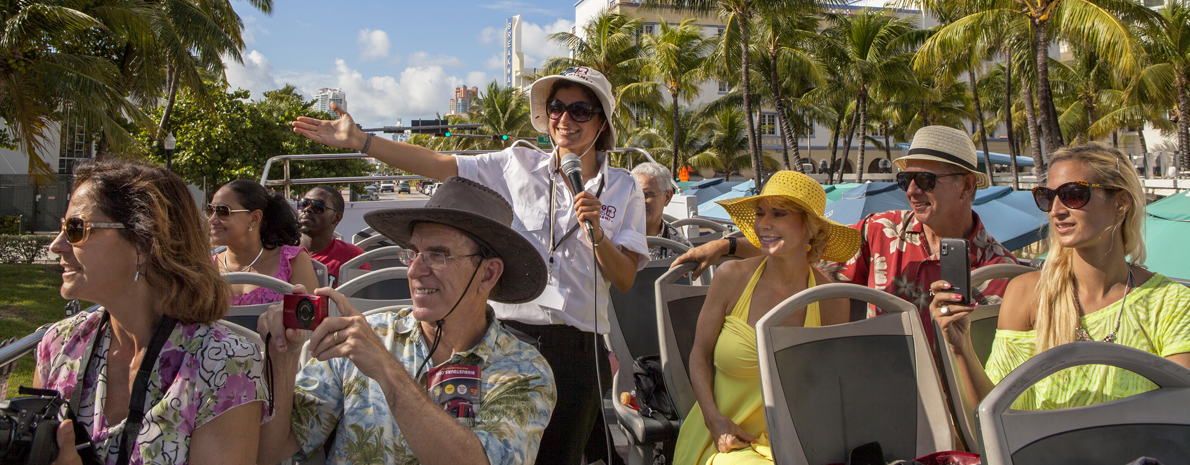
(847, 140)
(1048, 114)
(830, 175)
(797, 152)
(863, 132)
(789, 139)
(172, 89)
(1012, 148)
(776, 93)
(753, 146)
(885, 128)
(983, 132)
(1031, 123)
(1183, 161)
(677, 157)
(1140, 135)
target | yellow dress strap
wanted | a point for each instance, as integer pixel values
(741, 306)
(813, 316)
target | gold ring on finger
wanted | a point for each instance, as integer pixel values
(337, 341)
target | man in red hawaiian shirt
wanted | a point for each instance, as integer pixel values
(899, 254)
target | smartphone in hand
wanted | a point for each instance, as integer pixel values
(956, 267)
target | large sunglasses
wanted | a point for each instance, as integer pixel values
(1073, 194)
(316, 206)
(579, 111)
(78, 228)
(223, 212)
(924, 179)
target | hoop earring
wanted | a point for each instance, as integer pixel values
(249, 228)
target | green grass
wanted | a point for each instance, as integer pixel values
(28, 299)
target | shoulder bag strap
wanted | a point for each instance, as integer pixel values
(140, 387)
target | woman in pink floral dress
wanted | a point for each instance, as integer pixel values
(134, 242)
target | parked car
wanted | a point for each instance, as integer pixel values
(403, 186)
(386, 186)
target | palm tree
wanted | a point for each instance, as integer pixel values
(1144, 100)
(738, 16)
(656, 134)
(674, 62)
(1168, 41)
(874, 49)
(502, 111)
(784, 45)
(727, 149)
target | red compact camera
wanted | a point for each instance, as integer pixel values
(305, 311)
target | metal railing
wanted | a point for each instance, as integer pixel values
(9, 353)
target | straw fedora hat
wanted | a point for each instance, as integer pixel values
(843, 241)
(539, 93)
(947, 145)
(483, 214)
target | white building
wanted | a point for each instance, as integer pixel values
(514, 60)
(326, 95)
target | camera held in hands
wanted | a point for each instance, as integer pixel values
(29, 427)
(305, 311)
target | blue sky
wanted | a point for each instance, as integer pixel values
(394, 59)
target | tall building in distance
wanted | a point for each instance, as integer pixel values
(464, 97)
(514, 60)
(326, 95)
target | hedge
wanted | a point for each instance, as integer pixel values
(23, 248)
(11, 224)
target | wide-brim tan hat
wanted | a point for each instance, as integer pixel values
(586, 77)
(843, 241)
(483, 214)
(946, 145)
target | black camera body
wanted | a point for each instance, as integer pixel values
(29, 427)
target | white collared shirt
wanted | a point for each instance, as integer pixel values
(522, 176)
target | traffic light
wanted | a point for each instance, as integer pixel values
(446, 134)
(500, 137)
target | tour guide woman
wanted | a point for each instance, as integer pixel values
(575, 108)
(1087, 290)
(785, 222)
(134, 242)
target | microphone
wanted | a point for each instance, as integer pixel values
(572, 168)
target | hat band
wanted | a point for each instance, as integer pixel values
(943, 155)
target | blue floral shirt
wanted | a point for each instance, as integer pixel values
(516, 399)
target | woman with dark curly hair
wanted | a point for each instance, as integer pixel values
(133, 241)
(261, 233)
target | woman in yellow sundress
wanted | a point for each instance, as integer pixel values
(785, 221)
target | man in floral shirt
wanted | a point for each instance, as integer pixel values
(899, 254)
(441, 381)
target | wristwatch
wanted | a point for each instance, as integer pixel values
(731, 245)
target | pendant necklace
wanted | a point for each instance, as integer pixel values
(246, 268)
(1080, 333)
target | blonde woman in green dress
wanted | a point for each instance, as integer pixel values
(1092, 288)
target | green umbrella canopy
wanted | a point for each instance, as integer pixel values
(1166, 229)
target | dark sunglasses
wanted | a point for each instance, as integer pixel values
(317, 206)
(222, 211)
(924, 179)
(78, 228)
(579, 111)
(1073, 194)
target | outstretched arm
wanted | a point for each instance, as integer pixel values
(343, 133)
(708, 254)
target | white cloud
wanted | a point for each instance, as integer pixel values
(535, 43)
(255, 74)
(373, 45)
(422, 59)
(251, 28)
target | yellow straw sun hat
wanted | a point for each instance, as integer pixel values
(842, 243)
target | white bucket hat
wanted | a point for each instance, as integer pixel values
(586, 77)
(947, 145)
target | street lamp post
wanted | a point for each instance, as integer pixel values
(169, 143)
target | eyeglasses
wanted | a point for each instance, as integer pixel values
(434, 259)
(925, 180)
(317, 206)
(579, 111)
(1073, 194)
(222, 211)
(78, 228)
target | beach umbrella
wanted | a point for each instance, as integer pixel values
(835, 191)
(1166, 228)
(1010, 217)
(866, 199)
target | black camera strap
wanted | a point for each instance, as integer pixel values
(140, 385)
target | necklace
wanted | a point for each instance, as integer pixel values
(1080, 333)
(254, 261)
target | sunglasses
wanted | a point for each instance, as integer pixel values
(316, 206)
(222, 211)
(579, 111)
(78, 228)
(1073, 194)
(924, 179)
